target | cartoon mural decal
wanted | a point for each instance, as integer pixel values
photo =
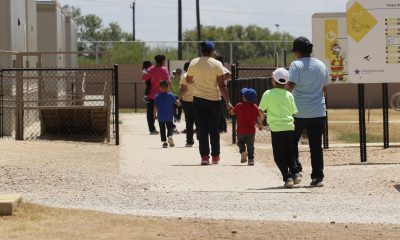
(336, 60)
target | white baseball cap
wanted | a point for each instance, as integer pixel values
(281, 76)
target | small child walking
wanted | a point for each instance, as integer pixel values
(164, 112)
(280, 107)
(248, 115)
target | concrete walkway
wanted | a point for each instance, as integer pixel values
(179, 169)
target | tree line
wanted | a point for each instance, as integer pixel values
(90, 28)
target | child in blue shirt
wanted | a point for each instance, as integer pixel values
(164, 112)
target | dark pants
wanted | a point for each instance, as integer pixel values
(283, 148)
(166, 130)
(177, 112)
(223, 126)
(207, 115)
(246, 142)
(315, 129)
(150, 115)
(190, 120)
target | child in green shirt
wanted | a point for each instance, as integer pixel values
(280, 107)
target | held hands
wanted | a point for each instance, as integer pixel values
(229, 106)
(178, 103)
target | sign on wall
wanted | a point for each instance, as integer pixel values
(373, 41)
(330, 43)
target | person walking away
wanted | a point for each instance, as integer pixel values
(248, 115)
(156, 74)
(186, 97)
(309, 79)
(146, 65)
(223, 126)
(280, 107)
(163, 111)
(207, 74)
(175, 85)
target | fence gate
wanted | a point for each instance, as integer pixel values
(65, 104)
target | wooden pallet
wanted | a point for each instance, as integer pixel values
(75, 121)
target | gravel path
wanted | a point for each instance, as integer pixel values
(141, 178)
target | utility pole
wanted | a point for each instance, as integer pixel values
(198, 22)
(133, 21)
(179, 29)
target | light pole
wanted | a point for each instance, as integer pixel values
(133, 21)
(198, 22)
(179, 29)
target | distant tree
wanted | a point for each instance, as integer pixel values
(258, 52)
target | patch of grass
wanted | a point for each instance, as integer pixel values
(352, 115)
(349, 133)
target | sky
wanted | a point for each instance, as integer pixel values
(156, 20)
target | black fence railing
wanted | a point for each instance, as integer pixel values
(67, 104)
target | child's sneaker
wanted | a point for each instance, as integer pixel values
(155, 132)
(165, 145)
(289, 183)
(189, 144)
(215, 160)
(171, 142)
(251, 162)
(205, 160)
(244, 157)
(176, 131)
(317, 183)
(297, 179)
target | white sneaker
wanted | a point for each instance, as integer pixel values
(289, 183)
(297, 179)
(244, 157)
(171, 142)
(317, 183)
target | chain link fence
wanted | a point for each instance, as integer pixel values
(248, 52)
(258, 78)
(64, 104)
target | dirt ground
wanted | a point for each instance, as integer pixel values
(37, 222)
(132, 179)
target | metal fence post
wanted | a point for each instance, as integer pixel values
(284, 56)
(1, 105)
(326, 128)
(385, 106)
(116, 103)
(231, 52)
(362, 125)
(233, 99)
(135, 84)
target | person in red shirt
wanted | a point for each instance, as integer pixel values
(155, 74)
(248, 116)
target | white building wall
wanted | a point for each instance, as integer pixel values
(31, 32)
(51, 28)
(12, 29)
(71, 37)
